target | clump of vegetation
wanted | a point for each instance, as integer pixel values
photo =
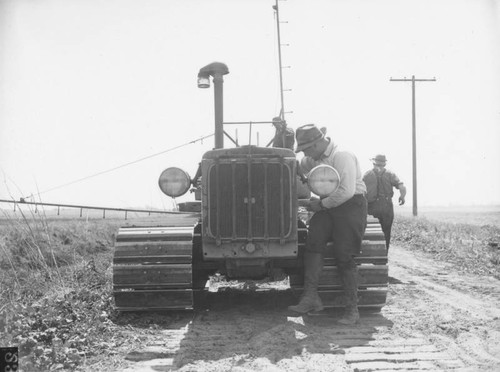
(55, 290)
(471, 248)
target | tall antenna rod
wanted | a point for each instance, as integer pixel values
(282, 112)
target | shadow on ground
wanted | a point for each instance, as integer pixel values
(393, 280)
(254, 324)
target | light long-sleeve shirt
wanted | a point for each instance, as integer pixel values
(347, 165)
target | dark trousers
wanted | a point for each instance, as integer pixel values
(386, 221)
(344, 225)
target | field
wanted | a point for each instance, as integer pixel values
(473, 215)
(469, 238)
(56, 303)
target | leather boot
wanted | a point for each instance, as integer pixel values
(351, 316)
(350, 279)
(310, 301)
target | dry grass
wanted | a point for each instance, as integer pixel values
(472, 248)
(55, 289)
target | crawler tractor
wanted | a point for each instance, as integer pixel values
(248, 226)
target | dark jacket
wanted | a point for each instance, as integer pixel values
(388, 180)
(284, 138)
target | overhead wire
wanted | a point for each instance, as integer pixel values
(119, 166)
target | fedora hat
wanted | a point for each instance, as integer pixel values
(379, 159)
(279, 122)
(307, 135)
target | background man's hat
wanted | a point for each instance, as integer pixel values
(278, 121)
(379, 159)
(307, 135)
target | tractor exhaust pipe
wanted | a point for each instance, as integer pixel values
(216, 70)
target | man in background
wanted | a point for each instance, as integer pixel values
(379, 183)
(284, 136)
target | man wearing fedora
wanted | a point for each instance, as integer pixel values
(379, 184)
(339, 217)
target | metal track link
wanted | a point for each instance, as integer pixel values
(153, 268)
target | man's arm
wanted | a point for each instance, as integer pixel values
(395, 181)
(402, 193)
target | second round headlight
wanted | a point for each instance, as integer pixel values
(323, 180)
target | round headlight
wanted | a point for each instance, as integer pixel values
(174, 182)
(323, 180)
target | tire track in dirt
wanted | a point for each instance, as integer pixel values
(455, 310)
(250, 338)
(477, 295)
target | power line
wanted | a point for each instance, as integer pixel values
(118, 167)
(82, 207)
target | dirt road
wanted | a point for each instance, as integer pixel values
(435, 319)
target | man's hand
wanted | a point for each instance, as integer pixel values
(401, 200)
(314, 205)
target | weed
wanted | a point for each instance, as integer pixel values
(55, 290)
(470, 247)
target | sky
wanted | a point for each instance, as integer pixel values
(88, 88)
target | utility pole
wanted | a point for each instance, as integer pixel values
(414, 136)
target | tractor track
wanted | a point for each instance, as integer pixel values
(435, 319)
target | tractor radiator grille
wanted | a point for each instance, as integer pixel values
(250, 199)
